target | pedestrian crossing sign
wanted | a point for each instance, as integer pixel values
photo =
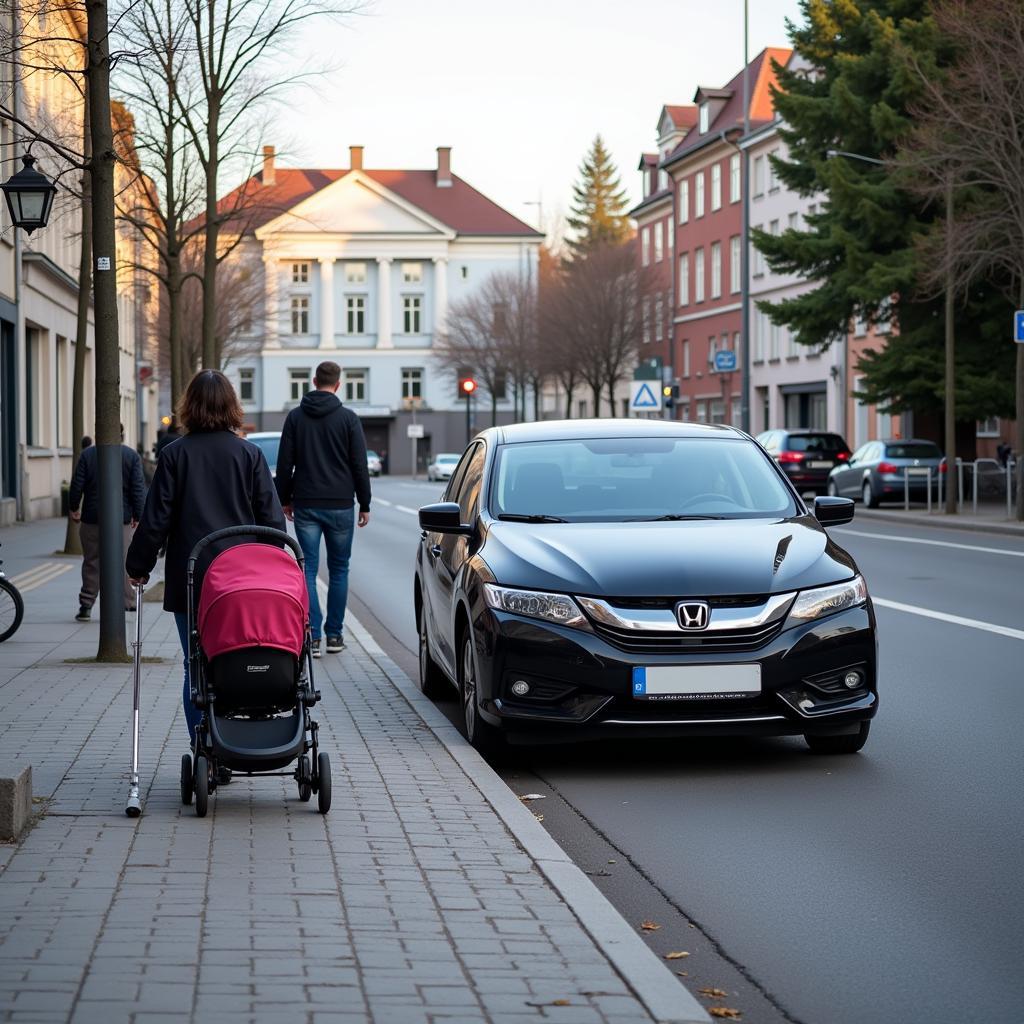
(644, 397)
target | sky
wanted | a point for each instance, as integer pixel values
(517, 90)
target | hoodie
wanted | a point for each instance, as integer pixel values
(321, 462)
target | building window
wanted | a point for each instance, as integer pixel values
(758, 175)
(465, 272)
(355, 385)
(684, 200)
(793, 223)
(355, 273)
(735, 179)
(756, 259)
(686, 358)
(988, 427)
(659, 243)
(300, 273)
(684, 279)
(412, 273)
(645, 247)
(659, 319)
(883, 318)
(735, 263)
(300, 314)
(412, 383)
(736, 346)
(773, 340)
(704, 117)
(581, 408)
(773, 178)
(246, 383)
(698, 275)
(716, 186)
(298, 383)
(668, 236)
(812, 209)
(716, 270)
(698, 198)
(648, 181)
(860, 326)
(773, 227)
(757, 329)
(355, 314)
(712, 350)
(60, 372)
(646, 321)
(792, 348)
(412, 314)
(702, 412)
(662, 180)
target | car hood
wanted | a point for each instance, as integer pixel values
(681, 559)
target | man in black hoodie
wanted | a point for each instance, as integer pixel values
(321, 473)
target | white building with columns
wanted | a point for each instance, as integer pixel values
(359, 266)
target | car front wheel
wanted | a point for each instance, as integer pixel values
(484, 737)
(848, 744)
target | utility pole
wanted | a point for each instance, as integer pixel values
(745, 243)
(952, 493)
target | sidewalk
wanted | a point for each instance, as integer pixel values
(429, 893)
(990, 518)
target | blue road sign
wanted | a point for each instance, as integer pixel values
(725, 362)
(1018, 327)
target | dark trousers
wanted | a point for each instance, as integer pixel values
(90, 535)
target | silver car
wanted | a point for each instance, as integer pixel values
(268, 441)
(877, 471)
(373, 462)
(443, 466)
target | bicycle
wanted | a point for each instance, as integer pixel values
(12, 607)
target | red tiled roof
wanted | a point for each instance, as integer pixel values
(460, 206)
(682, 116)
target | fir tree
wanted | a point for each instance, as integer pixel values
(852, 87)
(599, 204)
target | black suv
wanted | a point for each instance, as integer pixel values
(806, 456)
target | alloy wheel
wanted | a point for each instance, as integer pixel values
(469, 688)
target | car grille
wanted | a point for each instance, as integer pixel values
(658, 642)
(628, 709)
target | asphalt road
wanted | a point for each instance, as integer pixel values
(843, 890)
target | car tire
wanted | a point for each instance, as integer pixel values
(832, 490)
(868, 495)
(849, 744)
(432, 681)
(483, 737)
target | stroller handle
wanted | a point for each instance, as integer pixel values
(262, 532)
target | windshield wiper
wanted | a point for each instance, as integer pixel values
(671, 517)
(537, 517)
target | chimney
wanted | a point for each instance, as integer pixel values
(268, 165)
(355, 158)
(444, 166)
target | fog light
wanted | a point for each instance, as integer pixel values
(520, 687)
(851, 680)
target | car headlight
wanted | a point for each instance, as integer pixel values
(813, 604)
(535, 604)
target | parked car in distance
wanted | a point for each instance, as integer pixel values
(595, 578)
(268, 441)
(806, 456)
(443, 466)
(373, 463)
(876, 470)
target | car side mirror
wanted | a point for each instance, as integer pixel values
(446, 517)
(833, 511)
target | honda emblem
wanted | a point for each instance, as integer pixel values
(693, 614)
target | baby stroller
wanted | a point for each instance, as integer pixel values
(251, 669)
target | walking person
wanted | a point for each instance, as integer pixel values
(321, 474)
(85, 492)
(210, 478)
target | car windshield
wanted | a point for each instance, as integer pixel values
(626, 479)
(815, 443)
(913, 450)
(370, 454)
(448, 460)
(269, 446)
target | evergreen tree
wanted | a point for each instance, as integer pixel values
(599, 204)
(853, 87)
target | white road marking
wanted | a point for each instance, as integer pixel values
(405, 508)
(38, 579)
(956, 620)
(935, 543)
(381, 501)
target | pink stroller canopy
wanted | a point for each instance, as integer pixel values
(253, 595)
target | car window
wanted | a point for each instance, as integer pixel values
(269, 447)
(861, 453)
(816, 443)
(913, 450)
(616, 479)
(468, 495)
(770, 440)
(456, 478)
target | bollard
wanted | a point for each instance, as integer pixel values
(906, 490)
(929, 468)
(974, 494)
(959, 485)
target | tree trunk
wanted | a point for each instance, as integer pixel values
(596, 389)
(952, 477)
(569, 389)
(174, 327)
(107, 354)
(494, 410)
(72, 541)
(611, 398)
(211, 355)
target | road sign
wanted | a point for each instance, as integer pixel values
(414, 430)
(725, 361)
(1018, 327)
(644, 396)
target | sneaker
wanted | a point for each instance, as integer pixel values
(335, 644)
(314, 648)
(84, 614)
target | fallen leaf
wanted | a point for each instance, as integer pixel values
(532, 796)
(727, 1012)
(649, 926)
(713, 993)
(611, 862)
(683, 974)
(539, 817)
(677, 955)
(561, 1002)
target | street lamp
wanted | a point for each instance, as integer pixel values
(29, 196)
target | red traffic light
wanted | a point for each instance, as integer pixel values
(467, 385)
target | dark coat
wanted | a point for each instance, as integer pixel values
(321, 462)
(203, 482)
(85, 485)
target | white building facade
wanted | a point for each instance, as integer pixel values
(360, 267)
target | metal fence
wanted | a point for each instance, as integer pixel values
(987, 480)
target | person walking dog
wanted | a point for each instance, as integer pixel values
(321, 473)
(209, 479)
(85, 492)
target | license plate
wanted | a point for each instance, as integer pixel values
(696, 682)
(819, 465)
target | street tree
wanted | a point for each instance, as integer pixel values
(598, 216)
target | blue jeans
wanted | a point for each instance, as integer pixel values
(192, 713)
(336, 526)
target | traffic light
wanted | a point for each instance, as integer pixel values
(467, 385)
(670, 392)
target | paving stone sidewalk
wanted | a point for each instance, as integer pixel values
(410, 902)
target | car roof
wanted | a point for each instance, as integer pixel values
(906, 440)
(261, 434)
(574, 430)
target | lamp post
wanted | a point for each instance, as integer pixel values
(29, 194)
(745, 230)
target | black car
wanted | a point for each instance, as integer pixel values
(616, 577)
(806, 456)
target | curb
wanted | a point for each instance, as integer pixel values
(942, 522)
(665, 998)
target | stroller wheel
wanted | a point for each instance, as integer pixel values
(186, 779)
(304, 775)
(323, 792)
(202, 786)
